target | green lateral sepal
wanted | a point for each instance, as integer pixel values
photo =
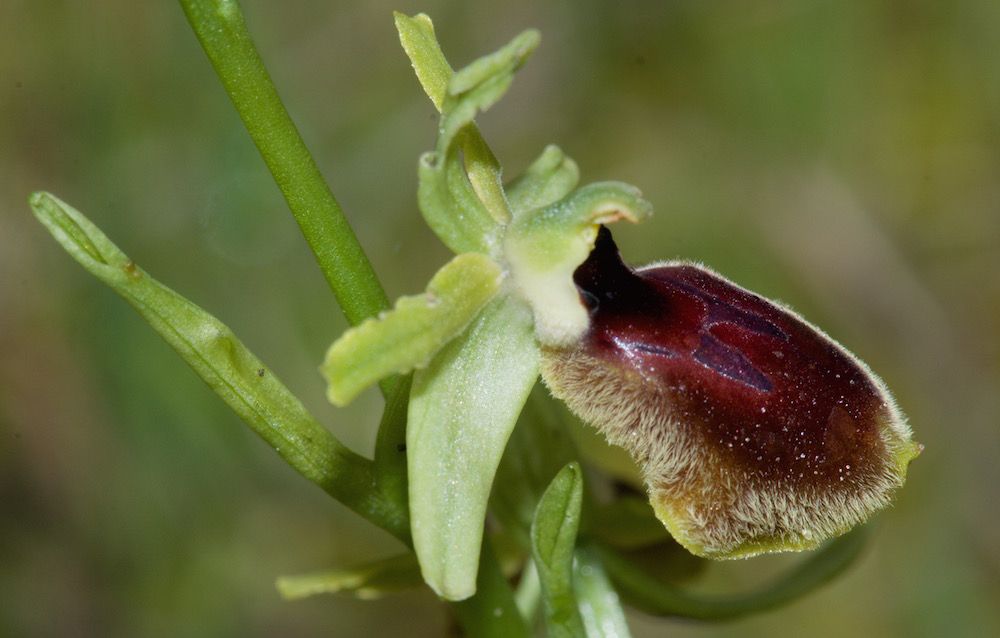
(463, 407)
(461, 191)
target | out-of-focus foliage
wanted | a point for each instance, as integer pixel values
(842, 156)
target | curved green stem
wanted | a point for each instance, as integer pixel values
(222, 31)
(657, 597)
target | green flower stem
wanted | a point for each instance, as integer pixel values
(657, 597)
(390, 460)
(222, 31)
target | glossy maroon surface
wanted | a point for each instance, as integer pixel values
(774, 397)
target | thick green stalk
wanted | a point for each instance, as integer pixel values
(222, 31)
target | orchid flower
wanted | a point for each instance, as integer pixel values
(755, 432)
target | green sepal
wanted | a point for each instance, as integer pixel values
(462, 200)
(553, 541)
(367, 582)
(419, 41)
(544, 246)
(463, 407)
(406, 337)
(548, 179)
(453, 198)
(434, 73)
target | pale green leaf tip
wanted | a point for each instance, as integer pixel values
(36, 199)
(290, 588)
(46, 206)
(399, 17)
(336, 394)
(500, 64)
(571, 471)
(452, 588)
(300, 587)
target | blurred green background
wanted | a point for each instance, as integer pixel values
(841, 155)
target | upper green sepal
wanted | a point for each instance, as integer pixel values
(461, 192)
(407, 336)
(416, 34)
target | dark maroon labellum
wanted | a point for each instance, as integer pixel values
(756, 431)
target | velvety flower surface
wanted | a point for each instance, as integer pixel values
(755, 431)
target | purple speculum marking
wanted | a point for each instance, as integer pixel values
(767, 390)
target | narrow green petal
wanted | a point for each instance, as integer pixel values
(547, 180)
(219, 358)
(553, 541)
(366, 582)
(463, 407)
(407, 336)
(482, 83)
(485, 174)
(501, 62)
(462, 200)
